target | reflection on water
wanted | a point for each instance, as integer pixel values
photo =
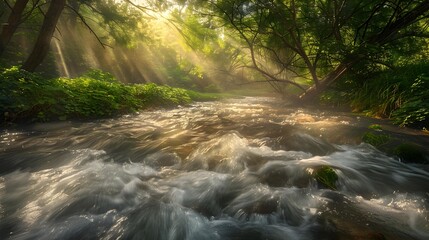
(237, 169)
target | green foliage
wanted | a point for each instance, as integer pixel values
(154, 95)
(375, 140)
(28, 97)
(401, 93)
(293, 41)
(123, 23)
(100, 75)
(334, 97)
(90, 98)
(327, 177)
(415, 109)
(25, 95)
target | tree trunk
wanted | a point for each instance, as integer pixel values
(46, 33)
(12, 24)
(311, 94)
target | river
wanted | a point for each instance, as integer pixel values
(232, 169)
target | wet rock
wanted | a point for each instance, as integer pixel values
(262, 203)
(281, 174)
(307, 143)
(232, 230)
(410, 153)
(375, 139)
(161, 159)
(322, 229)
(326, 177)
(355, 222)
(157, 220)
(275, 177)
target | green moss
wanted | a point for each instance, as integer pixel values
(375, 139)
(326, 177)
(410, 153)
(375, 127)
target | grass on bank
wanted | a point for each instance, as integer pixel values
(28, 97)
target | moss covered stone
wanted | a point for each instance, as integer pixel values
(376, 127)
(326, 177)
(410, 153)
(374, 139)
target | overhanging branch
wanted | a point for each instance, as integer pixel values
(82, 18)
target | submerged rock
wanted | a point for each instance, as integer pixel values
(410, 153)
(326, 177)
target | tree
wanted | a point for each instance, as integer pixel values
(402, 22)
(46, 33)
(311, 44)
(16, 17)
(116, 18)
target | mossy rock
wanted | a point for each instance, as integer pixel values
(375, 140)
(376, 127)
(326, 177)
(410, 153)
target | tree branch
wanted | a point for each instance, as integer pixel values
(87, 25)
(8, 4)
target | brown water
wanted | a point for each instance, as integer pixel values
(236, 169)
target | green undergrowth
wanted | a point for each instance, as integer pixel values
(401, 94)
(28, 97)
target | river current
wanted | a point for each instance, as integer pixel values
(233, 169)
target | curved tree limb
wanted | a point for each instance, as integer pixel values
(82, 18)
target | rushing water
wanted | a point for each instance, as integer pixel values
(237, 169)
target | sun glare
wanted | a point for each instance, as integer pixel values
(162, 55)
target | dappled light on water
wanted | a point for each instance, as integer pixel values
(237, 169)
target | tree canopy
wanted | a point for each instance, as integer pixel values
(313, 43)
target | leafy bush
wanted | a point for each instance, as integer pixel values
(401, 94)
(28, 97)
(97, 74)
(154, 95)
(25, 95)
(415, 108)
(90, 98)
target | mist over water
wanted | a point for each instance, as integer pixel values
(236, 169)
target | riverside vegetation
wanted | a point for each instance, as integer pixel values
(401, 94)
(29, 97)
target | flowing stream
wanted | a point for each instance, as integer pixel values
(233, 169)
